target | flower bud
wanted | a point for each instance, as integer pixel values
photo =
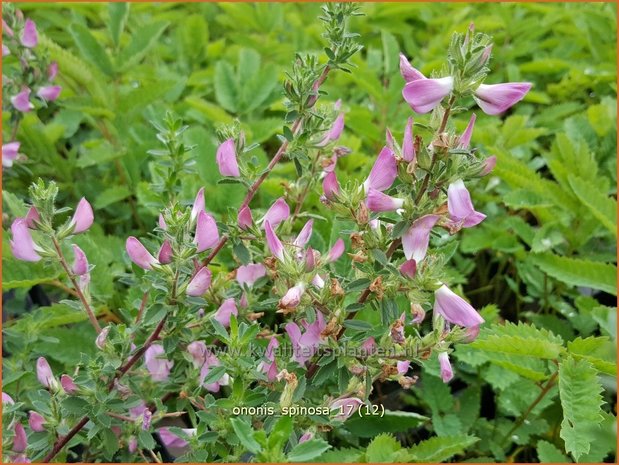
(6, 399)
(226, 159)
(416, 239)
(330, 186)
(44, 373)
(52, 71)
(32, 218)
(165, 253)
(306, 437)
(465, 139)
(20, 440)
(291, 385)
(225, 312)
(158, 366)
(68, 385)
(102, 338)
(273, 242)
(408, 144)
(278, 212)
(146, 419)
(418, 313)
(36, 421)
(292, 298)
(198, 204)
(80, 262)
(207, 235)
(22, 244)
(200, 283)
(446, 370)
(29, 36)
(336, 251)
(383, 173)
(488, 165)
(245, 219)
(409, 268)
(139, 255)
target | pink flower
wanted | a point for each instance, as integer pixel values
(278, 212)
(21, 101)
(165, 253)
(147, 416)
(225, 312)
(335, 132)
(379, 202)
(409, 73)
(198, 204)
(317, 280)
(488, 165)
(336, 251)
(390, 142)
(423, 95)
(330, 186)
(275, 245)
(207, 234)
(455, 309)
(171, 440)
(305, 345)
(20, 440)
(29, 36)
(83, 217)
(471, 334)
(200, 283)
(68, 385)
(102, 338)
(49, 93)
(5, 50)
(494, 99)
(80, 263)
(465, 139)
(306, 437)
(22, 244)
(36, 421)
(416, 239)
(52, 71)
(310, 259)
(6, 399)
(461, 207)
(368, 347)
(204, 359)
(409, 268)
(403, 366)
(304, 235)
(132, 445)
(10, 152)
(408, 144)
(158, 366)
(384, 171)
(44, 373)
(139, 255)
(346, 407)
(245, 219)
(446, 371)
(32, 218)
(292, 298)
(270, 368)
(247, 275)
(226, 159)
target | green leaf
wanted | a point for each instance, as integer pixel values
(308, 450)
(339, 456)
(226, 87)
(111, 195)
(369, 426)
(578, 272)
(119, 13)
(90, 49)
(141, 42)
(549, 453)
(110, 442)
(382, 449)
(521, 339)
(146, 440)
(440, 449)
(600, 205)
(599, 351)
(245, 433)
(579, 391)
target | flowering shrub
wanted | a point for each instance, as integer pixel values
(225, 330)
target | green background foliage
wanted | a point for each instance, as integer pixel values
(544, 257)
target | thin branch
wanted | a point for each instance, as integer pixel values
(78, 290)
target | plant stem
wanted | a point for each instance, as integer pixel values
(276, 158)
(549, 384)
(78, 290)
(63, 440)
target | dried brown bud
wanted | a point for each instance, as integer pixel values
(253, 316)
(363, 214)
(270, 263)
(387, 371)
(358, 257)
(332, 328)
(377, 288)
(406, 382)
(356, 241)
(336, 288)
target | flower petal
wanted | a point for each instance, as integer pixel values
(415, 241)
(423, 95)
(494, 99)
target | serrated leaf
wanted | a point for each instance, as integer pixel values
(521, 339)
(599, 351)
(440, 449)
(579, 391)
(382, 449)
(90, 48)
(600, 205)
(549, 453)
(369, 426)
(578, 272)
(308, 450)
(245, 433)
